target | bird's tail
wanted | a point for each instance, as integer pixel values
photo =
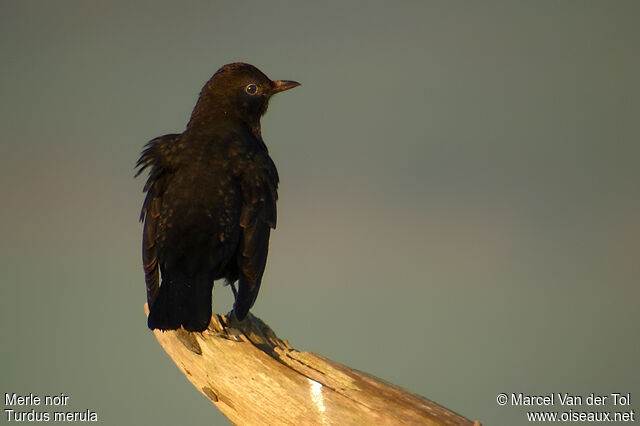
(182, 301)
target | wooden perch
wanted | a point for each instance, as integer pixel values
(255, 378)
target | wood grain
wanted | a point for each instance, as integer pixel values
(255, 378)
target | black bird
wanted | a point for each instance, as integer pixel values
(211, 201)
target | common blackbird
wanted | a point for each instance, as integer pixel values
(210, 201)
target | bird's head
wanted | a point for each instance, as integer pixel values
(238, 90)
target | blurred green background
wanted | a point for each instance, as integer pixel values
(459, 209)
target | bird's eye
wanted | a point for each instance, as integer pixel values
(251, 89)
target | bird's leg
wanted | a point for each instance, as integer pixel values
(235, 292)
(229, 332)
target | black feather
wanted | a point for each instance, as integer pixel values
(210, 202)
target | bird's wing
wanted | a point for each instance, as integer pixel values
(157, 156)
(257, 217)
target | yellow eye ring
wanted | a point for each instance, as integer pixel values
(251, 89)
